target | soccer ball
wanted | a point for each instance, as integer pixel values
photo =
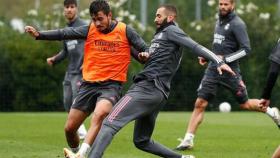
(224, 107)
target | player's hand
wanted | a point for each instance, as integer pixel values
(226, 68)
(32, 31)
(143, 56)
(265, 102)
(202, 61)
(50, 61)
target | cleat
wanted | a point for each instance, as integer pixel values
(188, 156)
(185, 145)
(276, 116)
(68, 153)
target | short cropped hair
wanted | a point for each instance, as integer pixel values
(171, 9)
(68, 2)
(232, 1)
(99, 5)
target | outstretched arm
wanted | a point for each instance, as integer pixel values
(182, 39)
(270, 82)
(60, 34)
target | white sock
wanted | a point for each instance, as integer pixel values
(269, 112)
(82, 130)
(84, 150)
(189, 136)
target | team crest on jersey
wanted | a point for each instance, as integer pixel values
(159, 36)
(227, 26)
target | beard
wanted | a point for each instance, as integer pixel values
(164, 22)
(224, 13)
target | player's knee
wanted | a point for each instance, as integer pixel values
(200, 104)
(97, 118)
(141, 144)
(70, 128)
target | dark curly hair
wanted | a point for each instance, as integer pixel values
(68, 2)
(99, 5)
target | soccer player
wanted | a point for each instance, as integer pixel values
(271, 79)
(105, 65)
(151, 87)
(231, 42)
(74, 50)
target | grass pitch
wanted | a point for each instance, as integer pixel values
(232, 135)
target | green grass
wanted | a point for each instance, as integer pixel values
(244, 135)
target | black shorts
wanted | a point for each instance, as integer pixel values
(90, 93)
(212, 80)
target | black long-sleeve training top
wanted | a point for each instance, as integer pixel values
(165, 56)
(273, 71)
(231, 39)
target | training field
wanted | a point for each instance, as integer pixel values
(233, 135)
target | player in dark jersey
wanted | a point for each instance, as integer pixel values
(272, 76)
(74, 51)
(231, 42)
(151, 87)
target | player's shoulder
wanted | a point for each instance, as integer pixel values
(173, 28)
(237, 21)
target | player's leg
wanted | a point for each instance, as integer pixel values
(76, 80)
(238, 88)
(75, 119)
(108, 94)
(276, 153)
(143, 130)
(82, 106)
(102, 109)
(67, 93)
(206, 91)
(138, 101)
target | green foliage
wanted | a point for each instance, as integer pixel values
(29, 84)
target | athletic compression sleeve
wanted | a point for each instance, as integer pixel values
(242, 38)
(135, 40)
(63, 34)
(271, 79)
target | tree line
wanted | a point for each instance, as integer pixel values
(27, 83)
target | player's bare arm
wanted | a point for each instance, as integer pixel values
(32, 31)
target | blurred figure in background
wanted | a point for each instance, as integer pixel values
(74, 51)
(230, 43)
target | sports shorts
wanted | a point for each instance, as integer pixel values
(91, 92)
